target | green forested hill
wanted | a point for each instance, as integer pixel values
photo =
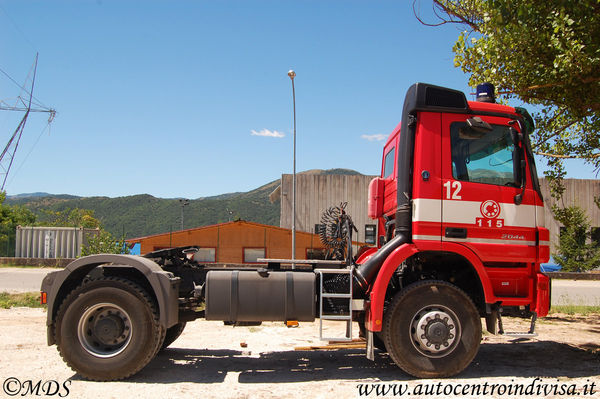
(141, 215)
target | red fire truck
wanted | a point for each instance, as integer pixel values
(461, 237)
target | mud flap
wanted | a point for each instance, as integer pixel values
(370, 349)
(491, 321)
(542, 303)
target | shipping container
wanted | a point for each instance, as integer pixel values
(51, 242)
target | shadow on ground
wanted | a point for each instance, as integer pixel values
(523, 359)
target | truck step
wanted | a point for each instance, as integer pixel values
(346, 316)
(529, 334)
(336, 317)
(520, 334)
(326, 295)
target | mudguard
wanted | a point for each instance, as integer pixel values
(165, 286)
(374, 317)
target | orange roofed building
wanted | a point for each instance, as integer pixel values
(236, 242)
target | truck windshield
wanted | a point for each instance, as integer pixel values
(483, 157)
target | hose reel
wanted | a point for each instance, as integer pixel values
(335, 232)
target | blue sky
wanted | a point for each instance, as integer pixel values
(192, 98)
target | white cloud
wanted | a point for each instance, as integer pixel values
(267, 133)
(374, 137)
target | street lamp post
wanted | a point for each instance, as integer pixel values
(183, 203)
(292, 75)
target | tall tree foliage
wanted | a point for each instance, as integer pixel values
(545, 53)
(576, 252)
(104, 243)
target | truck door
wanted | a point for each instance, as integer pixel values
(481, 175)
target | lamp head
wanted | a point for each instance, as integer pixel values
(486, 93)
(291, 74)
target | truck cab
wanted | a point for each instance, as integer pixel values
(459, 201)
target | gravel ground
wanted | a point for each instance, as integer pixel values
(215, 361)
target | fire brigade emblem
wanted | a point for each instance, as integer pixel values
(490, 209)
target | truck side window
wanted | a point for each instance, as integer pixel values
(388, 167)
(483, 157)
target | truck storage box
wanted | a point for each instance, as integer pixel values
(238, 295)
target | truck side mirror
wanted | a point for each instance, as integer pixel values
(518, 140)
(517, 137)
(376, 198)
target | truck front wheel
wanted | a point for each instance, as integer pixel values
(108, 329)
(432, 329)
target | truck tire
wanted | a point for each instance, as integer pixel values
(432, 329)
(108, 329)
(172, 334)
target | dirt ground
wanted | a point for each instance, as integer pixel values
(214, 361)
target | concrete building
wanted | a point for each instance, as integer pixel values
(315, 193)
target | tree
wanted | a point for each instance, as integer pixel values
(545, 53)
(10, 218)
(104, 243)
(575, 252)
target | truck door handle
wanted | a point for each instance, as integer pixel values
(455, 232)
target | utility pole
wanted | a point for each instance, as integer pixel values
(184, 202)
(292, 75)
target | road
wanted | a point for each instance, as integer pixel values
(15, 279)
(576, 292)
(564, 292)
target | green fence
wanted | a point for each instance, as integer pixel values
(7, 241)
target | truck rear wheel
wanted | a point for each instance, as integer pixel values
(108, 329)
(432, 329)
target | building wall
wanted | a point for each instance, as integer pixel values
(230, 239)
(316, 193)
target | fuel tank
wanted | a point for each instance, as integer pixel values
(243, 295)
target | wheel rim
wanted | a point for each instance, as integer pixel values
(435, 331)
(104, 330)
